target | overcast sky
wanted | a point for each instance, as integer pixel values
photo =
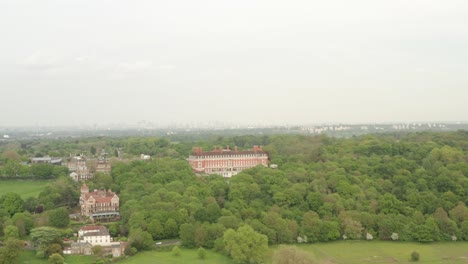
(109, 61)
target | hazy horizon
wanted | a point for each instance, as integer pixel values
(68, 63)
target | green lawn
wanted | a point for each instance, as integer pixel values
(342, 252)
(350, 252)
(186, 256)
(29, 257)
(25, 188)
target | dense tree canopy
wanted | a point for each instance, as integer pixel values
(407, 187)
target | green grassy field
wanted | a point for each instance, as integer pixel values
(342, 252)
(29, 257)
(350, 252)
(25, 188)
(186, 256)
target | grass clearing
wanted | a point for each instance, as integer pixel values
(351, 252)
(186, 256)
(340, 252)
(29, 257)
(25, 188)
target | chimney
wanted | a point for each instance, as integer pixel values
(196, 150)
(227, 148)
(235, 148)
(255, 148)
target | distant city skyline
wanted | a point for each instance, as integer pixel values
(79, 63)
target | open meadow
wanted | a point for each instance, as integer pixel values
(29, 257)
(186, 256)
(25, 188)
(341, 252)
(354, 252)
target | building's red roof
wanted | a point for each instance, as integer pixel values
(92, 227)
(100, 196)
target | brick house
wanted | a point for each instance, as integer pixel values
(98, 204)
(226, 162)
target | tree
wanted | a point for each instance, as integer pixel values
(24, 222)
(53, 249)
(93, 150)
(102, 180)
(245, 245)
(11, 251)
(59, 218)
(187, 235)
(170, 228)
(44, 236)
(30, 204)
(156, 229)
(10, 154)
(98, 251)
(11, 232)
(292, 255)
(176, 251)
(311, 226)
(12, 203)
(42, 170)
(414, 256)
(59, 193)
(140, 239)
(56, 259)
(201, 252)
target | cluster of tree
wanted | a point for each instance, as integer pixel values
(391, 187)
(37, 219)
(14, 169)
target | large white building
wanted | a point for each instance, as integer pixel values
(90, 236)
(226, 162)
(95, 235)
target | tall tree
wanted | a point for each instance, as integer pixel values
(59, 218)
(12, 203)
(10, 253)
(246, 245)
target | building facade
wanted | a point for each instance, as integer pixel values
(226, 162)
(47, 160)
(99, 204)
(79, 167)
(103, 166)
(90, 236)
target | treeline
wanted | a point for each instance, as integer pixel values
(15, 169)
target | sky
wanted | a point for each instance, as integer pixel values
(65, 63)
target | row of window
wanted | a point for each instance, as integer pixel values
(231, 156)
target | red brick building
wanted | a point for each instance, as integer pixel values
(226, 162)
(99, 204)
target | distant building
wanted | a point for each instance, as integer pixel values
(46, 160)
(103, 166)
(226, 162)
(99, 204)
(79, 166)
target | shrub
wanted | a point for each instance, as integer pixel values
(201, 253)
(414, 256)
(176, 251)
